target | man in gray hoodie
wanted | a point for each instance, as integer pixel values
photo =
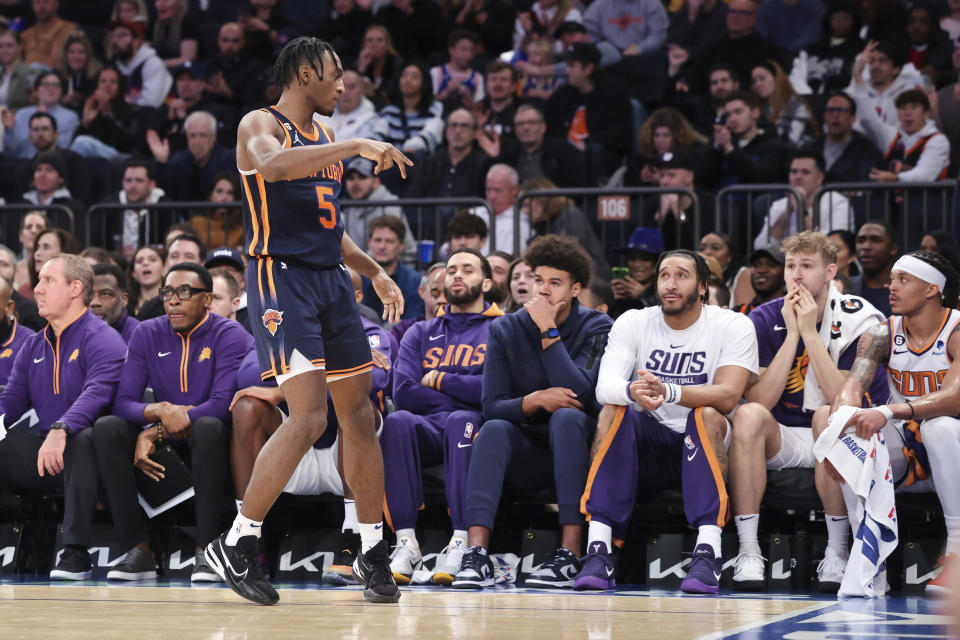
(148, 81)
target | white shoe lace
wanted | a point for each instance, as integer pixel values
(831, 568)
(749, 566)
(405, 557)
(451, 558)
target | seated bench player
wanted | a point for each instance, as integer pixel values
(12, 334)
(806, 343)
(189, 357)
(68, 374)
(917, 348)
(437, 383)
(110, 299)
(669, 376)
(538, 409)
(258, 411)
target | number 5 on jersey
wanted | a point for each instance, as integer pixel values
(328, 212)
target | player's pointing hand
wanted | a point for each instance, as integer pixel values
(385, 155)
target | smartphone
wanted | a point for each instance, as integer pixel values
(619, 273)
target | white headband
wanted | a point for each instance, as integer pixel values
(919, 268)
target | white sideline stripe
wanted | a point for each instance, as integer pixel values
(716, 635)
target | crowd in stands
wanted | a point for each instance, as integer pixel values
(135, 103)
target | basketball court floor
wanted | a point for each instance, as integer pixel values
(176, 611)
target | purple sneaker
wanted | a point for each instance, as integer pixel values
(703, 576)
(598, 569)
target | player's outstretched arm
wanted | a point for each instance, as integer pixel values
(260, 147)
(387, 290)
(873, 351)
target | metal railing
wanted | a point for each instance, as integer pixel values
(736, 218)
(911, 208)
(101, 229)
(588, 201)
(436, 211)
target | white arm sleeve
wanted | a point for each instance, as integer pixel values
(619, 363)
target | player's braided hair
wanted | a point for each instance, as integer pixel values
(703, 271)
(297, 52)
(951, 290)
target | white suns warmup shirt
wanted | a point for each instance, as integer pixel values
(641, 339)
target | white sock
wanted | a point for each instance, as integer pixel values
(458, 535)
(599, 532)
(242, 526)
(838, 531)
(953, 533)
(747, 533)
(350, 522)
(239, 504)
(408, 533)
(370, 535)
(710, 534)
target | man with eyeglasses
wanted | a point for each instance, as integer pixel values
(540, 155)
(16, 135)
(190, 358)
(457, 169)
(849, 155)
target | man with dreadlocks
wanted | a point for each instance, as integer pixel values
(309, 336)
(919, 345)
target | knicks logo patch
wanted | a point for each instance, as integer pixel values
(74, 355)
(6, 353)
(204, 354)
(272, 319)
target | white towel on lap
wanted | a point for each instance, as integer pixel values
(845, 318)
(865, 468)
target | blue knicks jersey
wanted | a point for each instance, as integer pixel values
(295, 220)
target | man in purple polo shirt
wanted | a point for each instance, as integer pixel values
(110, 299)
(12, 335)
(68, 374)
(190, 358)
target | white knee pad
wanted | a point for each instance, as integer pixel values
(941, 438)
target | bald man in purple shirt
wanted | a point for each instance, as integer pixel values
(68, 375)
(189, 357)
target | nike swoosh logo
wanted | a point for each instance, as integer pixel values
(432, 338)
(39, 360)
(692, 455)
(747, 518)
(836, 519)
(233, 572)
(896, 353)
(675, 346)
(610, 571)
(460, 445)
(777, 327)
(161, 354)
(379, 526)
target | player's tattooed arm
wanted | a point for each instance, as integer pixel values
(873, 351)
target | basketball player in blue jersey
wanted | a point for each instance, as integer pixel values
(919, 346)
(303, 313)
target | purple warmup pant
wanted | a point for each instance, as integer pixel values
(410, 443)
(640, 453)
